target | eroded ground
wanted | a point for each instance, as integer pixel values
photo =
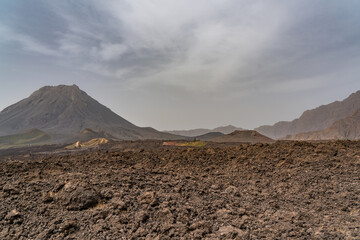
(142, 190)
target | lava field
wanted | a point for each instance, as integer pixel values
(143, 190)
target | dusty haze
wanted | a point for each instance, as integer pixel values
(185, 64)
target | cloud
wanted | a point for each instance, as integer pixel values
(26, 42)
(109, 51)
(194, 45)
(204, 46)
(216, 60)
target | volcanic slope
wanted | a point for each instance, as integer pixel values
(29, 137)
(209, 136)
(63, 111)
(346, 128)
(313, 120)
(246, 136)
(88, 134)
(202, 131)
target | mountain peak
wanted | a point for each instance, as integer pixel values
(64, 111)
(60, 89)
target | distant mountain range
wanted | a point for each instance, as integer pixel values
(314, 120)
(201, 131)
(246, 136)
(346, 128)
(208, 136)
(64, 111)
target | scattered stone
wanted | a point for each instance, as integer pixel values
(231, 232)
(10, 189)
(78, 198)
(141, 232)
(165, 215)
(141, 217)
(14, 216)
(69, 227)
(118, 203)
(241, 211)
(149, 198)
(47, 197)
(4, 233)
(231, 190)
(107, 194)
(223, 213)
(205, 225)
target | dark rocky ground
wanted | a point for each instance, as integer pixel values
(141, 190)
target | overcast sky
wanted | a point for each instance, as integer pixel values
(180, 64)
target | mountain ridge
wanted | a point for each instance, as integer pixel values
(245, 136)
(63, 111)
(315, 119)
(345, 128)
(209, 136)
(202, 131)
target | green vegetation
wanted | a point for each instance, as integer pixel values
(30, 137)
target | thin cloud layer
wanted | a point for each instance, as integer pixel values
(228, 49)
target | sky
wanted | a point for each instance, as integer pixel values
(185, 64)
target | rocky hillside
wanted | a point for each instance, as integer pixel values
(209, 136)
(27, 138)
(88, 134)
(315, 119)
(246, 136)
(346, 128)
(63, 111)
(202, 131)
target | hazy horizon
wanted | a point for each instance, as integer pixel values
(184, 65)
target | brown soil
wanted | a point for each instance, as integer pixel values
(142, 190)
